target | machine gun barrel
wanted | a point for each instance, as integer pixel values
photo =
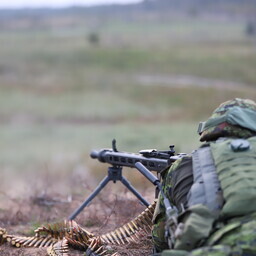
(129, 159)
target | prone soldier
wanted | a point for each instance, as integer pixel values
(213, 189)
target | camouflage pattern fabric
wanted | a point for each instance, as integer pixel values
(218, 250)
(158, 234)
(172, 191)
(235, 237)
(225, 129)
(158, 231)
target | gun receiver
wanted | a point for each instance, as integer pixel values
(152, 159)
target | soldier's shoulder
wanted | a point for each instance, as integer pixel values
(180, 161)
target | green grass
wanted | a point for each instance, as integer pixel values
(194, 47)
(27, 145)
(60, 96)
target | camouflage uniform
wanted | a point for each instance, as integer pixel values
(232, 236)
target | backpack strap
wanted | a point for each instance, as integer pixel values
(206, 187)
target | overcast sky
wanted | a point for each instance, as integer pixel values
(57, 3)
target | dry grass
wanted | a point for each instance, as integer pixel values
(108, 211)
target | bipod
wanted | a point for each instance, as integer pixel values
(114, 174)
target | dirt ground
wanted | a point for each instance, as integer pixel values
(105, 213)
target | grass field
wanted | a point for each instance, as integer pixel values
(62, 95)
(147, 84)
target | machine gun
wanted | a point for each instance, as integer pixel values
(152, 159)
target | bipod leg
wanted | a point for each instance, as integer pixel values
(102, 184)
(134, 191)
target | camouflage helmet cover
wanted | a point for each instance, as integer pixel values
(226, 129)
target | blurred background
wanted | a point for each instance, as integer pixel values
(74, 77)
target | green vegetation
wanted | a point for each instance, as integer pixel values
(146, 83)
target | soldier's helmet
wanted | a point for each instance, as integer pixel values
(233, 118)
